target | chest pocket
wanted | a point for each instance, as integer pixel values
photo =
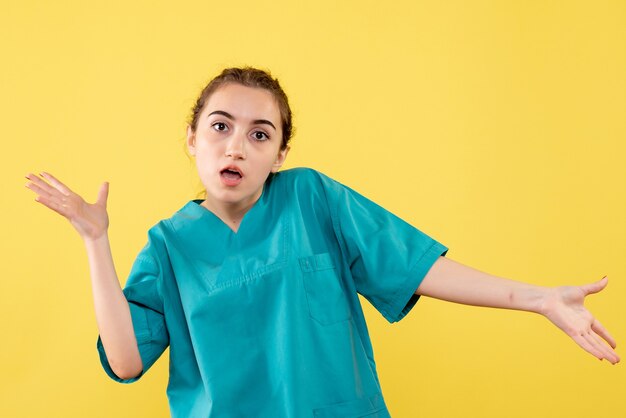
(327, 301)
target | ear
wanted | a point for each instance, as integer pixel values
(280, 159)
(191, 141)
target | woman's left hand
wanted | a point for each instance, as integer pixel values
(565, 308)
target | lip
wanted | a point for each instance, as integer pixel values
(232, 168)
(228, 180)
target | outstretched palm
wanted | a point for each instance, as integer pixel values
(565, 308)
(89, 219)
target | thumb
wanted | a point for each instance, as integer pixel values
(595, 287)
(103, 194)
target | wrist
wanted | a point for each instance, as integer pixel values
(530, 298)
(95, 241)
(545, 300)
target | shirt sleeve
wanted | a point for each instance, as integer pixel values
(388, 257)
(142, 291)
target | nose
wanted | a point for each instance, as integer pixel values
(236, 147)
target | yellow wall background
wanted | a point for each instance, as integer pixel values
(499, 128)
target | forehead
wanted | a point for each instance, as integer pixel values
(244, 102)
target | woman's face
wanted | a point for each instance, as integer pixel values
(237, 145)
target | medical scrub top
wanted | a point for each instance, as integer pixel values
(266, 322)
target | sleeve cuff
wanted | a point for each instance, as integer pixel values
(151, 341)
(405, 299)
(107, 367)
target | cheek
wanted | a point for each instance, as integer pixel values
(208, 149)
(266, 159)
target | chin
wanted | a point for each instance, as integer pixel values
(230, 196)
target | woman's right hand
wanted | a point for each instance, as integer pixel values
(89, 219)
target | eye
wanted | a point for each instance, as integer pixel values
(220, 126)
(260, 136)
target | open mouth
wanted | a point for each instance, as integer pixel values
(231, 174)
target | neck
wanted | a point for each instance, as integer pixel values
(230, 213)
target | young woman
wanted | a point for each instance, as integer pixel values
(254, 288)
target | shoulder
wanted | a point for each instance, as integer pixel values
(188, 215)
(305, 179)
(161, 234)
(155, 247)
(305, 190)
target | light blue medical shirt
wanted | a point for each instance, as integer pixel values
(266, 322)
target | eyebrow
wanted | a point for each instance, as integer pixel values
(231, 117)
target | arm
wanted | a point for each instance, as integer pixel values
(454, 282)
(112, 310)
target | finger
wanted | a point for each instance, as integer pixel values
(103, 194)
(597, 327)
(32, 186)
(607, 352)
(42, 188)
(57, 184)
(52, 204)
(587, 346)
(42, 184)
(595, 287)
